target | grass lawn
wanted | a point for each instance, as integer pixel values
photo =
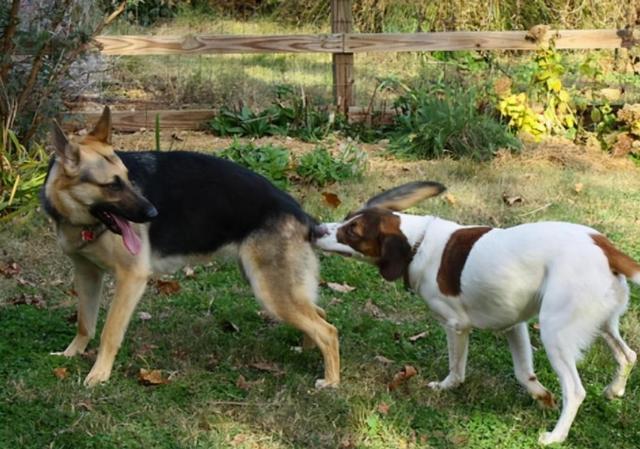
(236, 380)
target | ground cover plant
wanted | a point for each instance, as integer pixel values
(230, 377)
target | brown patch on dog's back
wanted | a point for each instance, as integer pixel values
(619, 262)
(455, 256)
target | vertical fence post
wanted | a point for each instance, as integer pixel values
(342, 22)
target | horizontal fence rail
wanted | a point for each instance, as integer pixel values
(360, 43)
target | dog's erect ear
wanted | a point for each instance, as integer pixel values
(395, 257)
(65, 150)
(404, 196)
(102, 130)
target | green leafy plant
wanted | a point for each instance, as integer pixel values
(320, 167)
(22, 173)
(447, 122)
(271, 161)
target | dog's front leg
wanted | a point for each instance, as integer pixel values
(130, 285)
(458, 344)
(88, 285)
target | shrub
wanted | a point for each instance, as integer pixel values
(319, 167)
(270, 161)
(447, 122)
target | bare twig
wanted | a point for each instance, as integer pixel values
(7, 43)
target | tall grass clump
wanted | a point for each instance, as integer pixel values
(446, 121)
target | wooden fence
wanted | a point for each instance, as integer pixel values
(342, 44)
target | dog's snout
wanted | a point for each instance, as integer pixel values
(321, 230)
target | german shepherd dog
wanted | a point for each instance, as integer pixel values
(135, 214)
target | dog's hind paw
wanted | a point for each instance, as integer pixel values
(612, 392)
(96, 377)
(550, 438)
(322, 383)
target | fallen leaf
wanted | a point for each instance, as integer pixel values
(24, 282)
(242, 383)
(449, 198)
(383, 408)
(61, 373)
(382, 359)
(331, 199)
(334, 301)
(167, 287)
(144, 316)
(269, 367)
(512, 200)
(86, 405)
(10, 269)
(176, 137)
(238, 439)
(373, 310)
(578, 187)
(342, 288)
(189, 272)
(151, 377)
(417, 337)
(35, 300)
(402, 376)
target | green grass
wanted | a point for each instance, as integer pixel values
(190, 337)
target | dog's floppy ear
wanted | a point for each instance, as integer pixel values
(404, 196)
(102, 130)
(395, 257)
(65, 150)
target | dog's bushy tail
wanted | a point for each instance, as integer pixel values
(619, 262)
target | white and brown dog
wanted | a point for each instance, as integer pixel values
(488, 278)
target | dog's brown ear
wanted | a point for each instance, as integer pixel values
(65, 150)
(102, 130)
(404, 196)
(395, 257)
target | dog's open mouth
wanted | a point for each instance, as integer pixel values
(123, 227)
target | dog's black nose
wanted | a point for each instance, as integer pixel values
(151, 212)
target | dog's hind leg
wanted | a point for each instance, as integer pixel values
(88, 285)
(130, 285)
(520, 346)
(624, 355)
(283, 273)
(564, 335)
(307, 342)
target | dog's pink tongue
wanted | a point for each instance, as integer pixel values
(129, 237)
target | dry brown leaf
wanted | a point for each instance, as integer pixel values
(238, 439)
(402, 376)
(35, 300)
(623, 145)
(269, 367)
(449, 198)
(242, 383)
(10, 269)
(151, 377)
(512, 200)
(341, 288)
(417, 337)
(578, 187)
(382, 359)
(331, 199)
(167, 287)
(334, 301)
(383, 408)
(61, 373)
(373, 310)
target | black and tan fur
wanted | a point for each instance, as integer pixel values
(171, 208)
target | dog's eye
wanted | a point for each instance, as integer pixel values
(116, 185)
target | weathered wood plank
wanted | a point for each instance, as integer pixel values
(135, 120)
(219, 44)
(342, 22)
(356, 43)
(479, 40)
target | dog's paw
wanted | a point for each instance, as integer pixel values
(549, 438)
(446, 384)
(96, 377)
(322, 383)
(612, 392)
(547, 400)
